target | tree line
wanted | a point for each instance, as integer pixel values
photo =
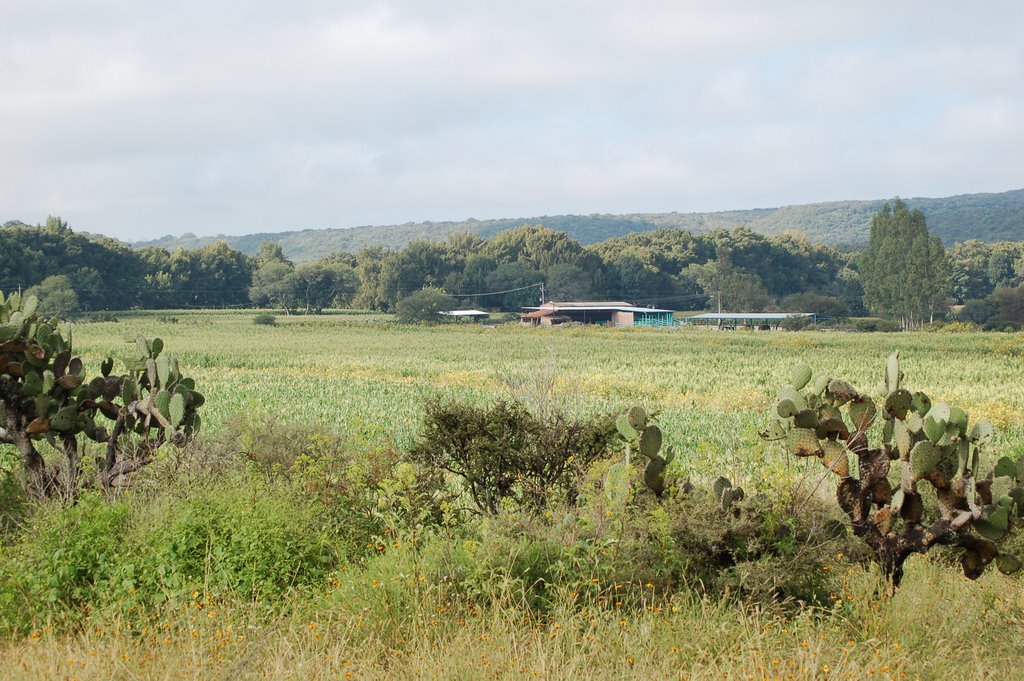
(904, 273)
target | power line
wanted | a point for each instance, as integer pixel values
(496, 293)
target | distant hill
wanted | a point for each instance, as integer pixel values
(988, 217)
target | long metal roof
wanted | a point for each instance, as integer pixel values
(726, 316)
(465, 313)
(559, 307)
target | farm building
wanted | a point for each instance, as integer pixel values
(752, 320)
(607, 313)
(472, 315)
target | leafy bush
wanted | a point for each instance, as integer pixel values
(342, 480)
(66, 561)
(424, 306)
(870, 324)
(593, 555)
(264, 319)
(251, 541)
(795, 323)
(828, 306)
(239, 539)
(999, 324)
(978, 311)
(952, 327)
(505, 453)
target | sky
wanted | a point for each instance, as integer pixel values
(140, 119)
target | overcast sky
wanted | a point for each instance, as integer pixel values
(137, 119)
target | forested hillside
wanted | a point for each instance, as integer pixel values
(739, 269)
(985, 217)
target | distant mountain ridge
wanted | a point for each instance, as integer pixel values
(987, 217)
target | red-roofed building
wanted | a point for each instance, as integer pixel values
(615, 313)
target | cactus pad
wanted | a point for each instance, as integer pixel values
(625, 430)
(806, 418)
(834, 458)
(650, 441)
(1008, 564)
(898, 403)
(803, 442)
(637, 418)
(862, 412)
(841, 391)
(1005, 466)
(924, 458)
(982, 433)
(800, 376)
(933, 428)
(892, 372)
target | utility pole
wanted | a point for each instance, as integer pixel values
(719, 301)
(542, 293)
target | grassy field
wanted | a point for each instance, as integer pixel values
(385, 615)
(369, 380)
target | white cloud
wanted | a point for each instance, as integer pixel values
(237, 117)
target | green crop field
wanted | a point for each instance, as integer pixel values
(365, 381)
(713, 389)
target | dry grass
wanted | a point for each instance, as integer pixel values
(937, 627)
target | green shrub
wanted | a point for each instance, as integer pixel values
(14, 503)
(871, 324)
(505, 453)
(343, 481)
(1000, 324)
(66, 561)
(249, 541)
(654, 548)
(264, 319)
(424, 306)
(795, 323)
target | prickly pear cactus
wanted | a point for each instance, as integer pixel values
(45, 394)
(643, 436)
(920, 442)
(725, 493)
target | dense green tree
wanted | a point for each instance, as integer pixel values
(635, 280)
(320, 285)
(56, 296)
(534, 245)
(370, 264)
(829, 306)
(275, 284)
(424, 306)
(793, 264)
(736, 289)
(568, 282)
(420, 264)
(978, 311)
(1002, 259)
(969, 270)
(851, 292)
(270, 252)
(1010, 303)
(905, 270)
(509, 277)
(28, 255)
(663, 250)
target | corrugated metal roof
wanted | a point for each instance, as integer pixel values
(624, 307)
(716, 316)
(538, 314)
(588, 304)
